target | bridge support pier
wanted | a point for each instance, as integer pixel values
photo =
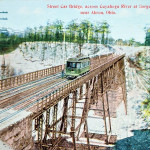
(72, 133)
(63, 126)
(40, 130)
(124, 88)
(54, 123)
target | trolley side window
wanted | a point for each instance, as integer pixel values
(78, 65)
(84, 64)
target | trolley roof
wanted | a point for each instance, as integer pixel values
(78, 59)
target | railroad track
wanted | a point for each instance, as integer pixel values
(15, 90)
(31, 91)
(28, 102)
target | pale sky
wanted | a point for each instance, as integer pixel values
(126, 24)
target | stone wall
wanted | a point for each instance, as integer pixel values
(19, 135)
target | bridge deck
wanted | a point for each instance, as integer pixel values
(22, 99)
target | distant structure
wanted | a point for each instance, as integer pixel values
(9, 32)
(4, 31)
(147, 39)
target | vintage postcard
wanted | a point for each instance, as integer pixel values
(74, 74)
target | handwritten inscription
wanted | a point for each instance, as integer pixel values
(3, 12)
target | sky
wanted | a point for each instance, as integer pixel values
(125, 24)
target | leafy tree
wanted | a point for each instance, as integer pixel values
(104, 28)
(85, 26)
(72, 29)
(131, 41)
(146, 108)
(147, 39)
(111, 40)
(58, 25)
(91, 33)
(80, 40)
(119, 42)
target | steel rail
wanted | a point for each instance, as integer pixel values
(26, 84)
(24, 108)
(37, 94)
(27, 88)
(5, 101)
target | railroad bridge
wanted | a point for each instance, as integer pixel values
(42, 111)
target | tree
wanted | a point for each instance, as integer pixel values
(104, 28)
(58, 25)
(80, 40)
(91, 33)
(111, 40)
(119, 42)
(41, 31)
(35, 33)
(131, 41)
(85, 26)
(72, 30)
(146, 108)
(147, 39)
(97, 31)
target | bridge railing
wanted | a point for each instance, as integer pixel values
(99, 60)
(25, 78)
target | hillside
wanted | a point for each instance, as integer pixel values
(33, 56)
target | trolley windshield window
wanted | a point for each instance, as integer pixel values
(71, 64)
